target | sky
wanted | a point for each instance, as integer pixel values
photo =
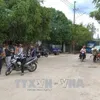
(83, 8)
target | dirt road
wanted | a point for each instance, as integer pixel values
(61, 77)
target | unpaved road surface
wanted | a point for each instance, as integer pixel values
(53, 80)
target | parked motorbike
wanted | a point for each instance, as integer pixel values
(56, 51)
(82, 56)
(44, 53)
(30, 64)
(38, 54)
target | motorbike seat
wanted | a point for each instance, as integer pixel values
(29, 59)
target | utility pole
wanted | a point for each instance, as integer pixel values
(74, 12)
(74, 24)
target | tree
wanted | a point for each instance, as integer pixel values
(96, 13)
(44, 27)
(60, 30)
(24, 20)
(81, 34)
(4, 21)
(91, 28)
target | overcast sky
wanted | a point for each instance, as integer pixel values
(82, 6)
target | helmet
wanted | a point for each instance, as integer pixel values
(94, 48)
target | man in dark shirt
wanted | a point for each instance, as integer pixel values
(12, 49)
(8, 56)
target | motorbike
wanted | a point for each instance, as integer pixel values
(56, 51)
(38, 54)
(82, 56)
(30, 64)
(96, 57)
(44, 53)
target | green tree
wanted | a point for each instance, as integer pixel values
(91, 28)
(44, 27)
(24, 20)
(82, 35)
(60, 30)
(4, 21)
(96, 13)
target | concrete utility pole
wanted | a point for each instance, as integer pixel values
(74, 24)
(74, 12)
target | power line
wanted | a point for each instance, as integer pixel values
(81, 15)
(81, 11)
(70, 5)
(73, 4)
(67, 4)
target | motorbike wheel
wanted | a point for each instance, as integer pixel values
(38, 56)
(46, 55)
(82, 59)
(55, 53)
(94, 59)
(32, 67)
(8, 72)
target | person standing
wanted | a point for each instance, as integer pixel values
(8, 56)
(1, 54)
(16, 49)
(20, 50)
(21, 54)
(12, 49)
(33, 51)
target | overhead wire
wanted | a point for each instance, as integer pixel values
(70, 5)
(79, 12)
(67, 4)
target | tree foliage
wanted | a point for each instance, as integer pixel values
(60, 30)
(96, 13)
(24, 20)
(27, 20)
(81, 35)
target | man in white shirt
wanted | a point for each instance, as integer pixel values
(21, 54)
(20, 51)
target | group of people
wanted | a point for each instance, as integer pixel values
(95, 53)
(8, 51)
